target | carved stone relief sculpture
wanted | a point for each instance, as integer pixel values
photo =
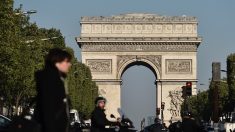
(179, 66)
(100, 65)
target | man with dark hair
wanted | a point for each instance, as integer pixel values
(52, 110)
(98, 117)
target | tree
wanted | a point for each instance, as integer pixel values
(82, 90)
(23, 46)
(10, 45)
(222, 97)
(231, 80)
(201, 105)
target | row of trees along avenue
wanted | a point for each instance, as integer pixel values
(23, 46)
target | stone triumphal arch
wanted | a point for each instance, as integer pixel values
(167, 44)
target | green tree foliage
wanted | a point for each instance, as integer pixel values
(23, 46)
(198, 105)
(201, 105)
(231, 80)
(10, 50)
(222, 96)
(82, 90)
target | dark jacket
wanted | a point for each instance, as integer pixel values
(189, 125)
(175, 127)
(154, 128)
(99, 121)
(51, 105)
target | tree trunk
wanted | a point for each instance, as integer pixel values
(17, 103)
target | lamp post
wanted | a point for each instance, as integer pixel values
(43, 39)
(29, 12)
(161, 109)
(216, 77)
(26, 12)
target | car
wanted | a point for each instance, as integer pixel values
(4, 122)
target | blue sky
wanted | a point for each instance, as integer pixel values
(216, 22)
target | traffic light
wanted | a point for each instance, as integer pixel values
(189, 88)
(184, 91)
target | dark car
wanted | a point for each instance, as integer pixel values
(4, 122)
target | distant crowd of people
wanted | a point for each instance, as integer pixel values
(188, 124)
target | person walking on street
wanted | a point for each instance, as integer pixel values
(156, 127)
(98, 117)
(189, 124)
(175, 127)
(52, 110)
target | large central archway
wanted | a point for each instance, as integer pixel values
(168, 45)
(139, 93)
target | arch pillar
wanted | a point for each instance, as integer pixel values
(111, 90)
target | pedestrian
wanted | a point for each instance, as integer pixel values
(189, 124)
(52, 110)
(98, 117)
(175, 127)
(156, 127)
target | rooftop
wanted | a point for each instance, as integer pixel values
(139, 17)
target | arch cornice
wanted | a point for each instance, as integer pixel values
(139, 46)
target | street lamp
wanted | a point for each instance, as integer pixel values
(26, 12)
(202, 84)
(223, 70)
(162, 117)
(43, 39)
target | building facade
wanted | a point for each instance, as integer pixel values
(165, 44)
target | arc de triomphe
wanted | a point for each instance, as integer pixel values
(166, 44)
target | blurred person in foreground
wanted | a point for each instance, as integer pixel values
(52, 110)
